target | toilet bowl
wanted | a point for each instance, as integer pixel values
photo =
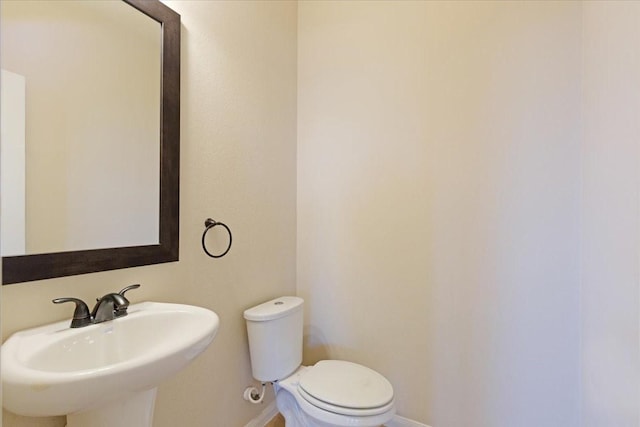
(331, 393)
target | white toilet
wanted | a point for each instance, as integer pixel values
(328, 394)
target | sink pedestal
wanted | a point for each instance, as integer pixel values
(136, 410)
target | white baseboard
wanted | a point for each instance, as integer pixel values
(271, 411)
(399, 421)
(265, 416)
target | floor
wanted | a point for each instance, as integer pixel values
(277, 421)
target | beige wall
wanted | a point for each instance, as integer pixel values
(610, 206)
(238, 166)
(438, 203)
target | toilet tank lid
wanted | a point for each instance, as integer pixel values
(274, 309)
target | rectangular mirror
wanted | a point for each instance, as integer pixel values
(98, 186)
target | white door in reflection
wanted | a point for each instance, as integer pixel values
(12, 169)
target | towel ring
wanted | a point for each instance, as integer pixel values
(209, 224)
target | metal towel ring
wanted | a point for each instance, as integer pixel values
(210, 223)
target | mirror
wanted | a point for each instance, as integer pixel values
(139, 205)
(81, 80)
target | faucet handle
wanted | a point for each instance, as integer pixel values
(128, 288)
(121, 308)
(81, 315)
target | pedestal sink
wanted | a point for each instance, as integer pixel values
(106, 374)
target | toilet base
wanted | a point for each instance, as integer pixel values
(293, 415)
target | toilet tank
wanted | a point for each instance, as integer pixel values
(275, 338)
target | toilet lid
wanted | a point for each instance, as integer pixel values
(346, 385)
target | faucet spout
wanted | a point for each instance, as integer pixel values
(103, 310)
(109, 307)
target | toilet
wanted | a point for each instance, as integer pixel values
(328, 394)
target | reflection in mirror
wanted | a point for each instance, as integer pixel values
(91, 72)
(95, 99)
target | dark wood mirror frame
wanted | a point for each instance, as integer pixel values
(25, 268)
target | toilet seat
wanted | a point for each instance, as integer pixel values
(288, 391)
(346, 388)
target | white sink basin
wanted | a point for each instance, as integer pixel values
(56, 370)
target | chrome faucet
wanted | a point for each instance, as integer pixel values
(109, 307)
